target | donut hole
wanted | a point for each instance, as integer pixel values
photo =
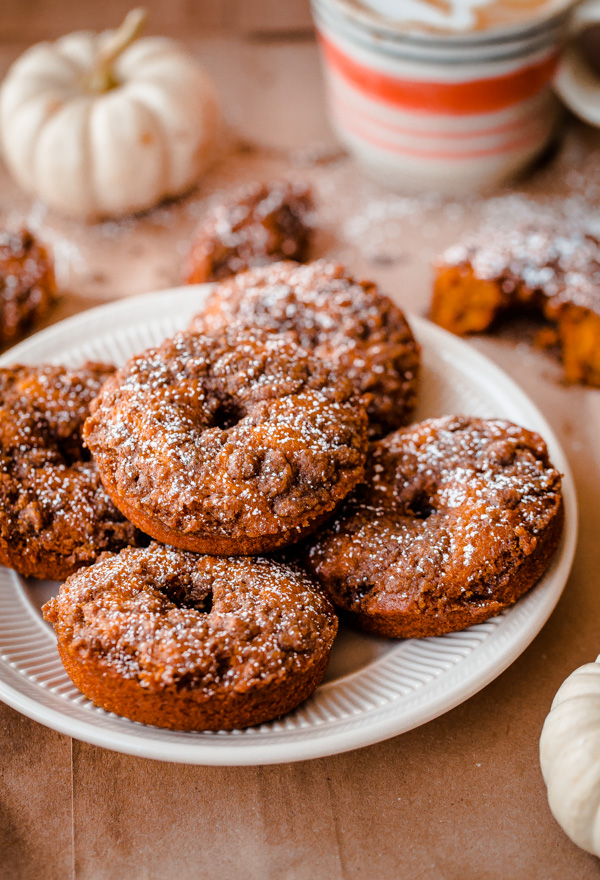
(72, 450)
(227, 414)
(191, 596)
(205, 604)
(420, 506)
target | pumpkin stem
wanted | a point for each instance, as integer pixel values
(101, 77)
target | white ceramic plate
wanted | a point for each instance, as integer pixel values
(375, 688)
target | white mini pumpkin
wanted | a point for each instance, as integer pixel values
(570, 756)
(100, 125)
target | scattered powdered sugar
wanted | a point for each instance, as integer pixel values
(391, 237)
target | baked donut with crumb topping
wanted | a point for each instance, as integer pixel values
(260, 224)
(192, 642)
(347, 322)
(55, 515)
(235, 444)
(457, 518)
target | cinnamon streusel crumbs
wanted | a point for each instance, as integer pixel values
(456, 519)
(227, 444)
(347, 322)
(54, 512)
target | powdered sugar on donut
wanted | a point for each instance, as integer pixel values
(244, 432)
(166, 617)
(450, 513)
(347, 322)
(564, 266)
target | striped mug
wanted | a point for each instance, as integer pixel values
(452, 95)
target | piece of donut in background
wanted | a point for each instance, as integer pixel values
(348, 323)
(457, 518)
(193, 642)
(55, 515)
(259, 224)
(235, 444)
(549, 271)
(27, 283)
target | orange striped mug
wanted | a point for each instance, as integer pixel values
(452, 94)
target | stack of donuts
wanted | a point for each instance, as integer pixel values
(211, 502)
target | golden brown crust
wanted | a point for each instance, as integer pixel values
(27, 283)
(215, 545)
(182, 708)
(235, 444)
(55, 515)
(347, 322)
(260, 224)
(193, 642)
(456, 519)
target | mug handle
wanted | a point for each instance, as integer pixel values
(575, 81)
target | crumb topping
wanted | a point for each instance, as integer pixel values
(165, 616)
(348, 323)
(53, 508)
(262, 223)
(448, 511)
(27, 285)
(242, 433)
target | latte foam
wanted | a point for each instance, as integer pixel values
(454, 16)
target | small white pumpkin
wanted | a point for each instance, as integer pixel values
(100, 125)
(570, 756)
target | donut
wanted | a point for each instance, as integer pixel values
(260, 224)
(552, 271)
(229, 445)
(192, 642)
(55, 515)
(457, 518)
(347, 322)
(27, 283)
